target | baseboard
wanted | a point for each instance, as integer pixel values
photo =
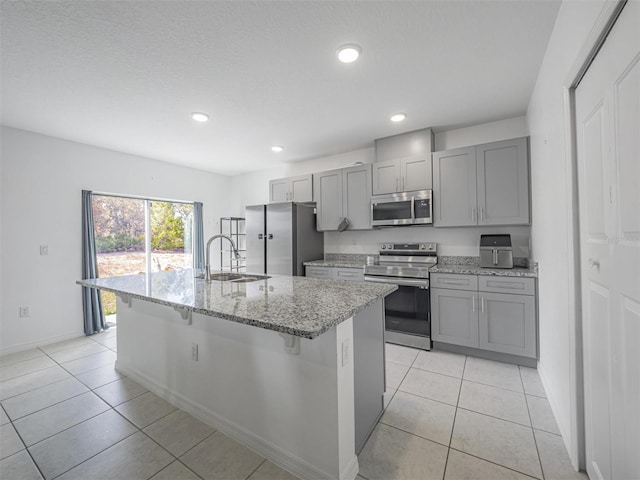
(566, 436)
(267, 449)
(41, 342)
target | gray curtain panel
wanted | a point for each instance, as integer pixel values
(198, 237)
(91, 301)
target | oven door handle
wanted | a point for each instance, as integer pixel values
(405, 282)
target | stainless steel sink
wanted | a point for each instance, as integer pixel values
(250, 278)
(235, 277)
(225, 277)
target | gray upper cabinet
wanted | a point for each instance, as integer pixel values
(403, 163)
(279, 190)
(386, 177)
(291, 189)
(503, 183)
(343, 193)
(482, 185)
(328, 187)
(356, 196)
(454, 188)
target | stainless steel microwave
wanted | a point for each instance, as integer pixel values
(410, 208)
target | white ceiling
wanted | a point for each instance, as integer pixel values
(127, 75)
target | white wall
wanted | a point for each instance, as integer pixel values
(42, 179)
(552, 214)
(253, 188)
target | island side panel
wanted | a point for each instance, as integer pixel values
(297, 410)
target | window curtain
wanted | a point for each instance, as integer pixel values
(91, 300)
(198, 237)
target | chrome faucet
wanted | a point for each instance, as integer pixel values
(207, 273)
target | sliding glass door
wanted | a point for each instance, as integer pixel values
(139, 235)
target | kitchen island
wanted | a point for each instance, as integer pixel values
(268, 362)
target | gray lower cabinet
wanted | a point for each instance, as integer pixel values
(454, 318)
(474, 312)
(335, 273)
(507, 324)
(343, 193)
(482, 185)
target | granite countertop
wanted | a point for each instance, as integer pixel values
(477, 270)
(337, 263)
(300, 306)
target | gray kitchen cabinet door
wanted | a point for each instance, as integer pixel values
(454, 188)
(356, 186)
(386, 177)
(508, 324)
(503, 182)
(416, 173)
(301, 189)
(454, 317)
(319, 272)
(279, 190)
(328, 188)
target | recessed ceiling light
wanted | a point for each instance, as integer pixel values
(398, 117)
(277, 148)
(200, 117)
(349, 53)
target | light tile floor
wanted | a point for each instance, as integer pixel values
(66, 413)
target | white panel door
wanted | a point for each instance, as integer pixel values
(608, 146)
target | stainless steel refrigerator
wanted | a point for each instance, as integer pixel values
(281, 237)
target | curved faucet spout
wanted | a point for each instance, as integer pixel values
(207, 273)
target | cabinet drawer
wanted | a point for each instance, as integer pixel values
(319, 272)
(517, 285)
(454, 281)
(353, 274)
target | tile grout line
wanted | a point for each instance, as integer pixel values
(255, 469)
(492, 462)
(455, 414)
(535, 441)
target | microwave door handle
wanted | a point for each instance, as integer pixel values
(413, 208)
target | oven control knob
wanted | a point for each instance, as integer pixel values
(423, 246)
(389, 247)
(383, 246)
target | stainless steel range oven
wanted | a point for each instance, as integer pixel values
(407, 310)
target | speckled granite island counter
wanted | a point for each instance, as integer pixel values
(300, 306)
(277, 364)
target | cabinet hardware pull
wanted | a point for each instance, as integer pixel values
(473, 214)
(473, 303)
(453, 282)
(482, 214)
(482, 304)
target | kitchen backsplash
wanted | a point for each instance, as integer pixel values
(458, 242)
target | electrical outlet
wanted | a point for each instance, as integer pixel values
(194, 352)
(44, 249)
(24, 311)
